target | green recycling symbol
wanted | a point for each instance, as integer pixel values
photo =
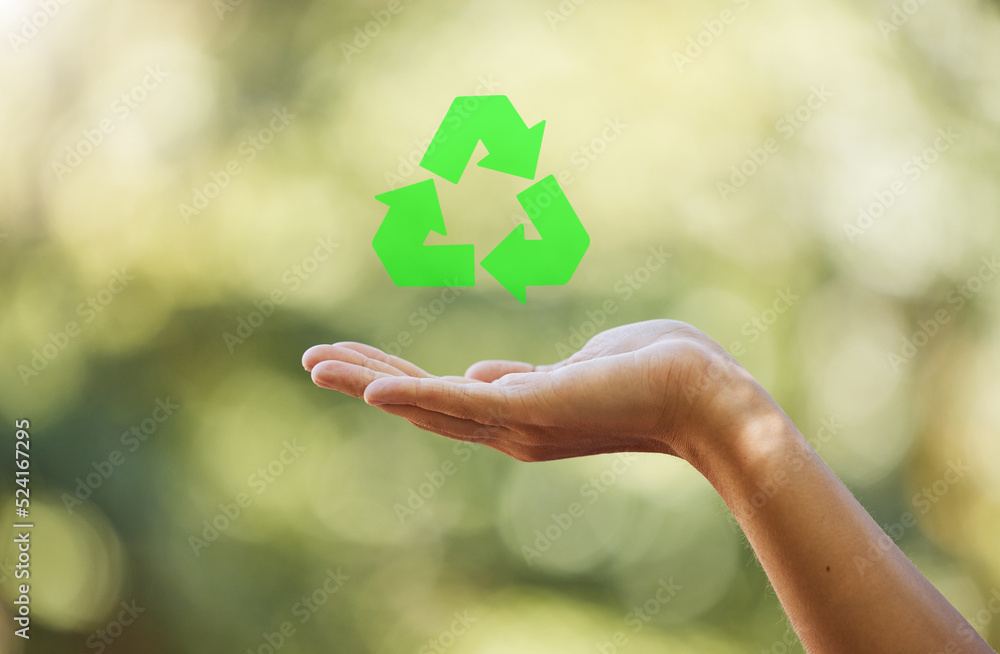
(517, 262)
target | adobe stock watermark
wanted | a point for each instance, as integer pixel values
(956, 300)
(966, 631)
(131, 439)
(109, 633)
(258, 481)
(583, 158)
(641, 615)
(565, 10)
(768, 488)
(788, 642)
(249, 148)
(43, 13)
(121, 108)
(911, 172)
(409, 163)
(225, 7)
(899, 16)
(293, 278)
(753, 328)
(758, 325)
(625, 288)
(365, 34)
(787, 127)
(714, 28)
(304, 609)
(590, 492)
(57, 342)
(446, 639)
(922, 502)
(418, 496)
(422, 319)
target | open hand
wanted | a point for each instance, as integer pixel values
(654, 386)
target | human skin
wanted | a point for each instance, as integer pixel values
(663, 386)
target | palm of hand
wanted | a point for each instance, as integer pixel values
(631, 388)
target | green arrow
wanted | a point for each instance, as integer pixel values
(518, 262)
(492, 119)
(414, 212)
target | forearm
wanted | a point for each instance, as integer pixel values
(809, 531)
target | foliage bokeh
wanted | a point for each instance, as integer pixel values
(686, 109)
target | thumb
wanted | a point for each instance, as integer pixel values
(488, 371)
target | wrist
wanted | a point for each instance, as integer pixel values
(753, 441)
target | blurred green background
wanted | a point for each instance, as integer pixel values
(773, 149)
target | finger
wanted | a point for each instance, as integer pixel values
(348, 355)
(440, 423)
(396, 362)
(576, 357)
(346, 377)
(345, 352)
(488, 371)
(484, 403)
(314, 355)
